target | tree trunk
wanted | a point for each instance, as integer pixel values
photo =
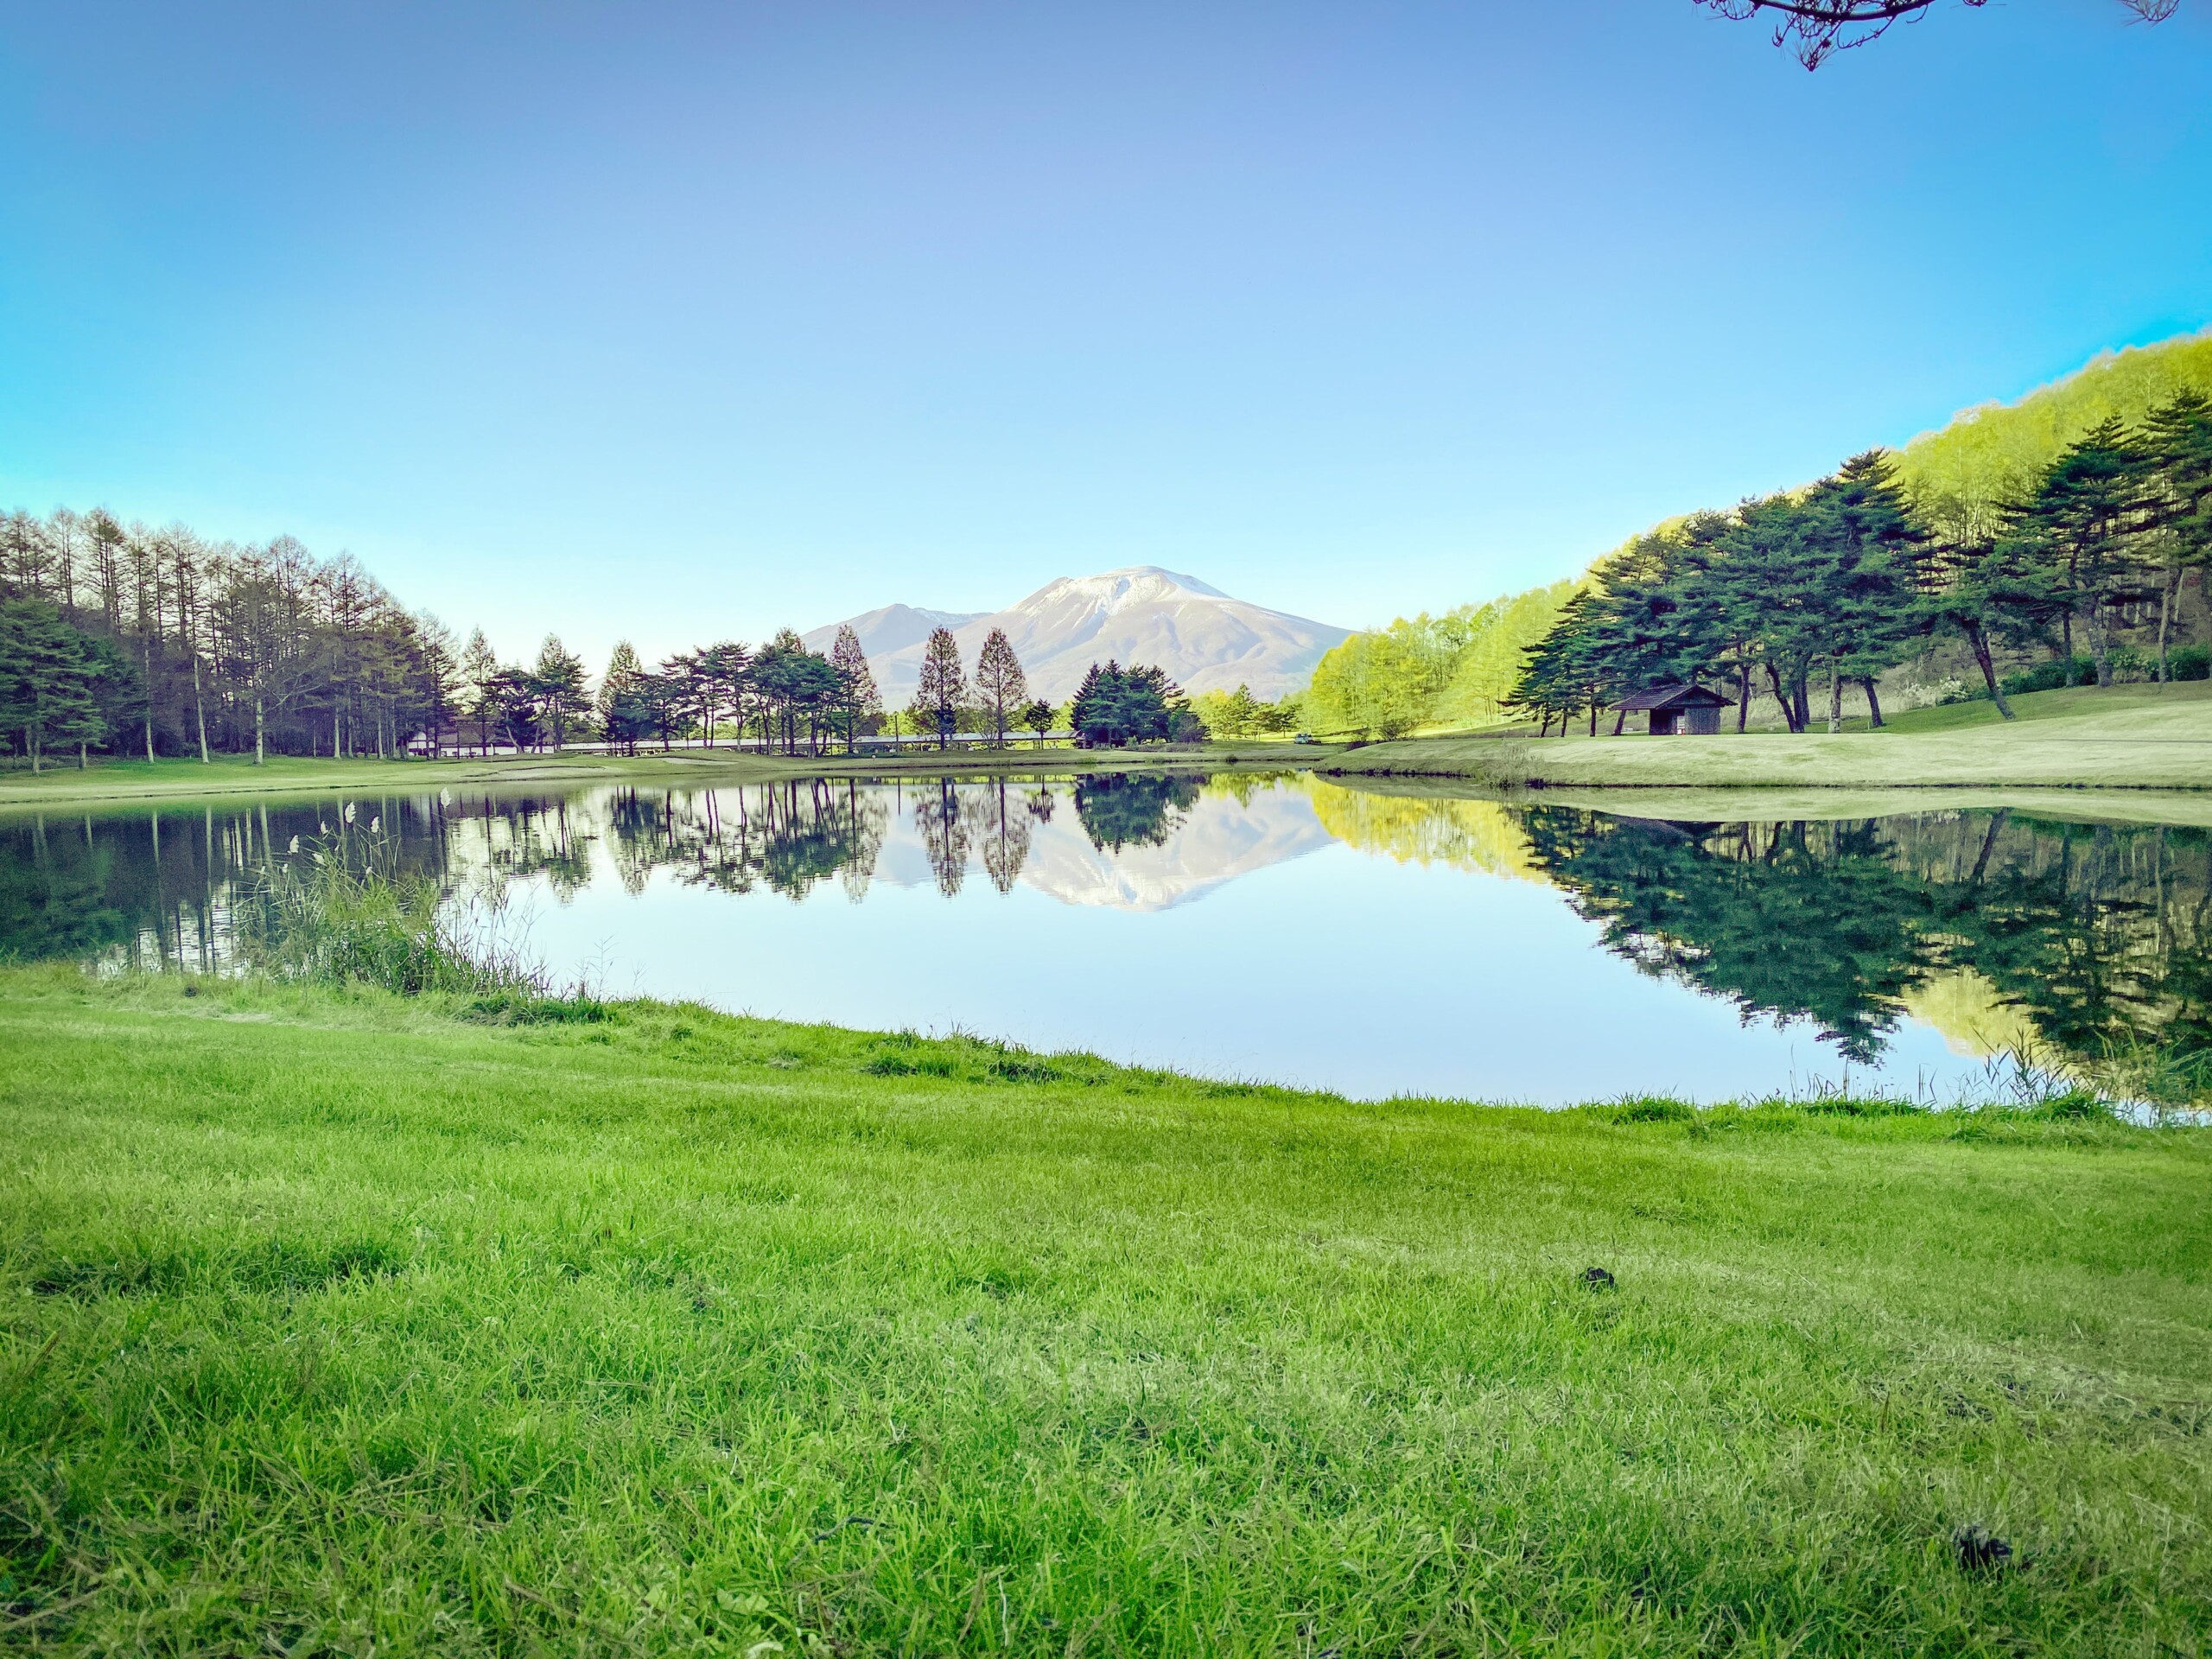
(1980, 642)
(30, 747)
(1743, 696)
(260, 743)
(200, 708)
(1620, 721)
(1835, 697)
(1799, 701)
(2167, 596)
(2099, 646)
(1594, 717)
(1781, 697)
(1873, 702)
(149, 703)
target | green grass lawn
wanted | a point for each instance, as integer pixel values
(338, 1325)
(2052, 705)
(2133, 736)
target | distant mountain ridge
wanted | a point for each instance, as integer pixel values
(1206, 640)
(889, 627)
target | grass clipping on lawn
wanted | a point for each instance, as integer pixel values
(335, 1321)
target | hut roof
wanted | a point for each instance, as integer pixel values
(1690, 695)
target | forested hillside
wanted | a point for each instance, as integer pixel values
(1994, 453)
(1454, 669)
(2073, 520)
(1835, 584)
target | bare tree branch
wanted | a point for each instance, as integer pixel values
(1814, 28)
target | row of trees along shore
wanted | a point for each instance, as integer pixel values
(130, 640)
(1827, 586)
(125, 638)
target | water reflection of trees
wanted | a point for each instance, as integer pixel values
(160, 886)
(1137, 809)
(2101, 934)
(788, 837)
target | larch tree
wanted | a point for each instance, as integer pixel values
(1000, 686)
(857, 697)
(942, 690)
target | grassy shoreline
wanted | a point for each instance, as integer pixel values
(113, 782)
(335, 1318)
(2125, 739)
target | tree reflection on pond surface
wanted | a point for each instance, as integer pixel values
(2084, 944)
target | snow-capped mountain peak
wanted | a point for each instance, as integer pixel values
(1205, 640)
(1113, 591)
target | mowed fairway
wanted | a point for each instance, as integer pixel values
(334, 1324)
(2126, 737)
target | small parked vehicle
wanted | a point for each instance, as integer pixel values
(1303, 737)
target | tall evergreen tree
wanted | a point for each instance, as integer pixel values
(2178, 443)
(561, 686)
(46, 684)
(480, 668)
(623, 714)
(2085, 518)
(1858, 539)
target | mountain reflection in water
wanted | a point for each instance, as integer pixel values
(2084, 945)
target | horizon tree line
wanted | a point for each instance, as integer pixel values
(130, 639)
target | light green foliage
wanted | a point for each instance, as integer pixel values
(1455, 668)
(335, 1321)
(1498, 636)
(1994, 454)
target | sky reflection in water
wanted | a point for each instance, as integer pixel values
(1289, 929)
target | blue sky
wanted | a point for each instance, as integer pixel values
(681, 321)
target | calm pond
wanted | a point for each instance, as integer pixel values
(1286, 929)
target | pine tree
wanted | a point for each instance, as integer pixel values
(47, 686)
(2177, 442)
(623, 714)
(1858, 540)
(942, 688)
(2085, 517)
(1000, 686)
(560, 683)
(480, 668)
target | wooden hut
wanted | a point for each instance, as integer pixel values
(1691, 710)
